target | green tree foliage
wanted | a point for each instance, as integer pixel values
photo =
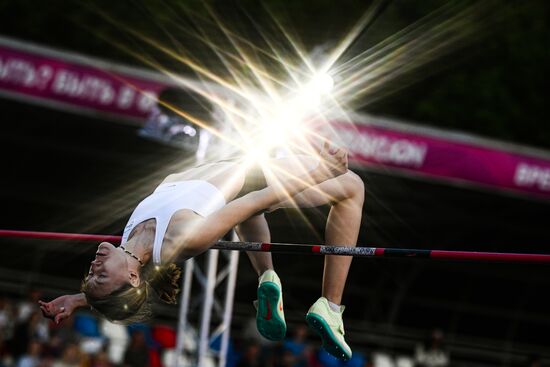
(497, 87)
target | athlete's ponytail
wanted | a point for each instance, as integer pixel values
(164, 280)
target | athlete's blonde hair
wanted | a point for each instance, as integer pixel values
(129, 304)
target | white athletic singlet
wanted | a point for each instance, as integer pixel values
(197, 195)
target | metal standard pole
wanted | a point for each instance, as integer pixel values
(228, 307)
(207, 307)
(184, 309)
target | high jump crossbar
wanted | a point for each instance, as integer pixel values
(311, 249)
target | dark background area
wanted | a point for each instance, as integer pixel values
(66, 172)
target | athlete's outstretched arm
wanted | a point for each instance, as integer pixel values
(212, 228)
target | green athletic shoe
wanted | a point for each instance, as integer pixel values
(270, 318)
(330, 327)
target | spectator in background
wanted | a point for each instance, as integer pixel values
(251, 356)
(29, 324)
(432, 352)
(72, 357)
(61, 335)
(7, 325)
(298, 347)
(118, 338)
(32, 357)
(38, 326)
(35, 327)
(288, 359)
(137, 354)
(28, 306)
(101, 359)
(7, 319)
(251, 335)
(324, 359)
(5, 355)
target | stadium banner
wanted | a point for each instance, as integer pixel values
(41, 75)
(442, 155)
(83, 84)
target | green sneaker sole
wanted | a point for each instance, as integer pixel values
(330, 343)
(269, 324)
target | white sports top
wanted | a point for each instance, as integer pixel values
(197, 195)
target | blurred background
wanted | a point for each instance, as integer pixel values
(446, 122)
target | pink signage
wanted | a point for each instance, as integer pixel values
(444, 158)
(33, 75)
(73, 81)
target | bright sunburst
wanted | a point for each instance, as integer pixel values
(278, 96)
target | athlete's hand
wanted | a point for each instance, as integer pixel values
(62, 307)
(334, 161)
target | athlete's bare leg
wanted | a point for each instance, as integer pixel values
(342, 228)
(255, 229)
(346, 195)
(270, 319)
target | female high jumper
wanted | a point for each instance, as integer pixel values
(189, 211)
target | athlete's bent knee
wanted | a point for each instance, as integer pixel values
(355, 188)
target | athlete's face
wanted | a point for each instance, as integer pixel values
(108, 271)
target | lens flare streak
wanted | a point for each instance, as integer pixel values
(276, 94)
